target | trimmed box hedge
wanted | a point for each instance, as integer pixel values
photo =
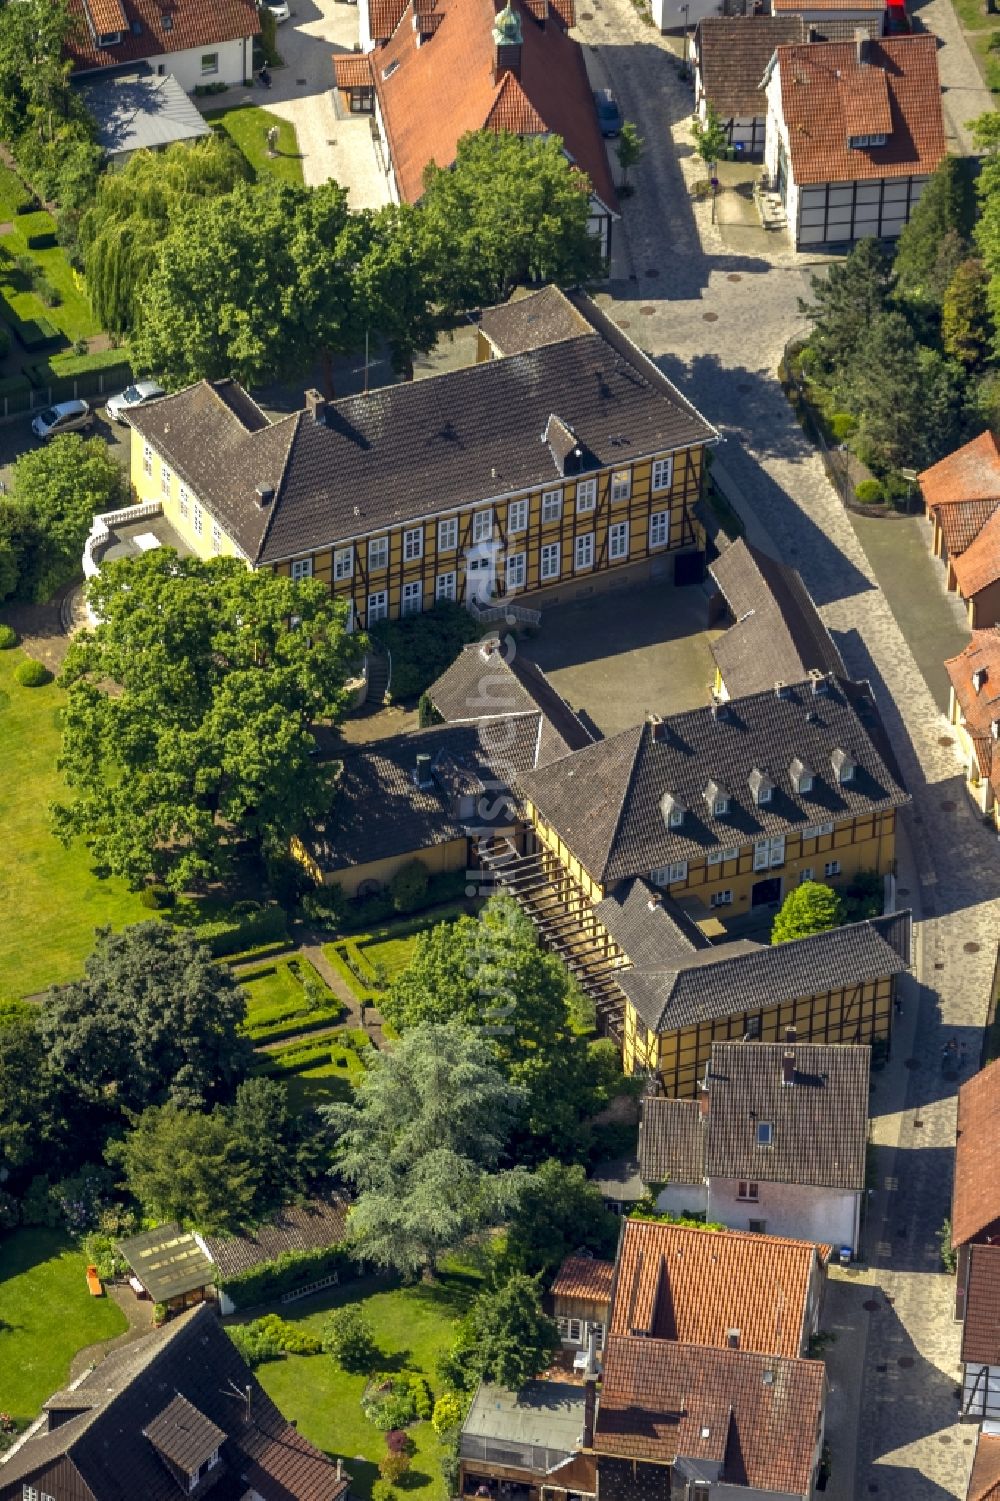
(46, 240)
(80, 374)
(27, 206)
(231, 935)
(33, 333)
(14, 385)
(287, 1272)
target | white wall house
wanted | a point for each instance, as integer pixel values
(802, 1211)
(853, 132)
(198, 42)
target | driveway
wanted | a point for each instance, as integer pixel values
(303, 92)
(716, 320)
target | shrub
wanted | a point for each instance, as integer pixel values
(287, 1272)
(245, 907)
(449, 1413)
(422, 646)
(863, 896)
(408, 887)
(100, 1250)
(50, 295)
(393, 1466)
(949, 1256)
(423, 1397)
(231, 935)
(426, 712)
(157, 897)
(383, 1491)
(388, 1402)
(843, 426)
(32, 674)
(46, 240)
(270, 1338)
(348, 1337)
(869, 492)
(28, 206)
(8, 637)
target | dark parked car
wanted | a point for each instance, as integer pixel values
(609, 116)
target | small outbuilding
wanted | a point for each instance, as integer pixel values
(171, 1266)
(137, 110)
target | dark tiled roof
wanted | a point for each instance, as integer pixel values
(819, 1124)
(727, 979)
(168, 1261)
(694, 1286)
(420, 448)
(826, 92)
(300, 1227)
(378, 811)
(184, 1435)
(524, 323)
(605, 801)
(981, 1331)
(671, 1141)
(485, 682)
(976, 1191)
(733, 53)
(778, 635)
(584, 1277)
(152, 27)
(756, 1415)
(652, 930)
(193, 1357)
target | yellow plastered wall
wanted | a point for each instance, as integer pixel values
(548, 837)
(438, 859)
(153, 479)
(854, 1014)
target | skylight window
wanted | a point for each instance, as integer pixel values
(764, 1133)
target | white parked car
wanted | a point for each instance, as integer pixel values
(278, 8)
(63, 417)
(135, 395)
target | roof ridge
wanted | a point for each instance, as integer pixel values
(629, 781)
(296, 418)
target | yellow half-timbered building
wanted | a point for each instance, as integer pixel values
(561, 462)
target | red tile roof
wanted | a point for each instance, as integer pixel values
(982, 655)
(976, 1192)
(152, 27)
(432, 93)
(826, 93)
(384, 16)
(984, 1482)
(979, 565)
(695, 1286)
(758, 1416)
(584, 1277)
(352, 70)
(808, 6)
(961, 521)
(972, 472)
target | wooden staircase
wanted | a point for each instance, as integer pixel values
(377, 673)
(537, 883)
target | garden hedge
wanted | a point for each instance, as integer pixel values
(14, 385)
(28, 206)
(32, 674)
(33, 333)
(8, 637)
(230, 935)
(290, 1270)
(46, 240)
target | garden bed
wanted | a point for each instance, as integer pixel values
(369, 962)
(284, 997)
(72, 317)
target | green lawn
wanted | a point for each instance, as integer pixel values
(277, 1003)
(413, 1326)
(50, 899)
(247, 126)
(73, 316)
(318, 1071)
(46, 1316)
(386, 951)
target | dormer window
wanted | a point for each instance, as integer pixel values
(761, 786)
(861, 143)
(979, 679)
(844, 768)
(801, 776)
(673, 810)
(109, 39)
(717, 799)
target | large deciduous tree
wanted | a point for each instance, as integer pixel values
(153, 1021)
(186, 1166)
(421, 1141)
(59, 489)
(189, 713)
(558, 1211)
(28, 1103)
(807, 909)
(512, 1338)
(512, 209)
(945, 212)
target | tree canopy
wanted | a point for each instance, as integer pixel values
(154, 1020)
(558, 1211)
(420, 1142)
(59, 489)
(946, 208)
(847, 299)
(809, 908)
(195, 696)
(512, 1338)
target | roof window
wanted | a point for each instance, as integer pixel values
(861, 143)
(843, 766)
(390, 70)
(761, 786)
(801, 776)
(764, 1133)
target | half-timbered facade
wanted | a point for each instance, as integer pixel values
(549, 473)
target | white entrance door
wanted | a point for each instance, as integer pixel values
(479, 575)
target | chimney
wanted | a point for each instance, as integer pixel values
(316, 406)
(655, 900)
(861, 45)
(788, 1067)
(820, 686)
(422, 772)
(703, 1101)
(340, 1468)
(979, 678)
(781, 690)
(589, 1411)
(656, 725)
(264, 496)
(591, 1353)
(719, 711)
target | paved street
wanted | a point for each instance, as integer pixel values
(717, 321)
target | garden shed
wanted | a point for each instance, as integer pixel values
(170, 1265)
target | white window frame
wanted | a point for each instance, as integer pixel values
(586, 495)
(776, 852)
(446, 585)
(196, 515)
(343, 563)
(517, 517)
(583, 552)
(805, 784)
(721, 898)
(761, 854)
(661, 467)
(216, 537)
(621, 484)
(413, 544)
(517, 571)
(731, 852)
(166, 479)
(183, 501)
(720, 807)
(550, 561)
(748, 1191)
(714, 857)
(676, 819)
(617, 541)
(378, 554)
(302, 568)
(678, 871)
(209, 64)
(552, 505)
(482, 525)
(765, 1134)
(764, 794)
(147, 460)
(832, 868)
(448, 534)
(412, 599)
(378, 606)
(659, 529)
(807, 873)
